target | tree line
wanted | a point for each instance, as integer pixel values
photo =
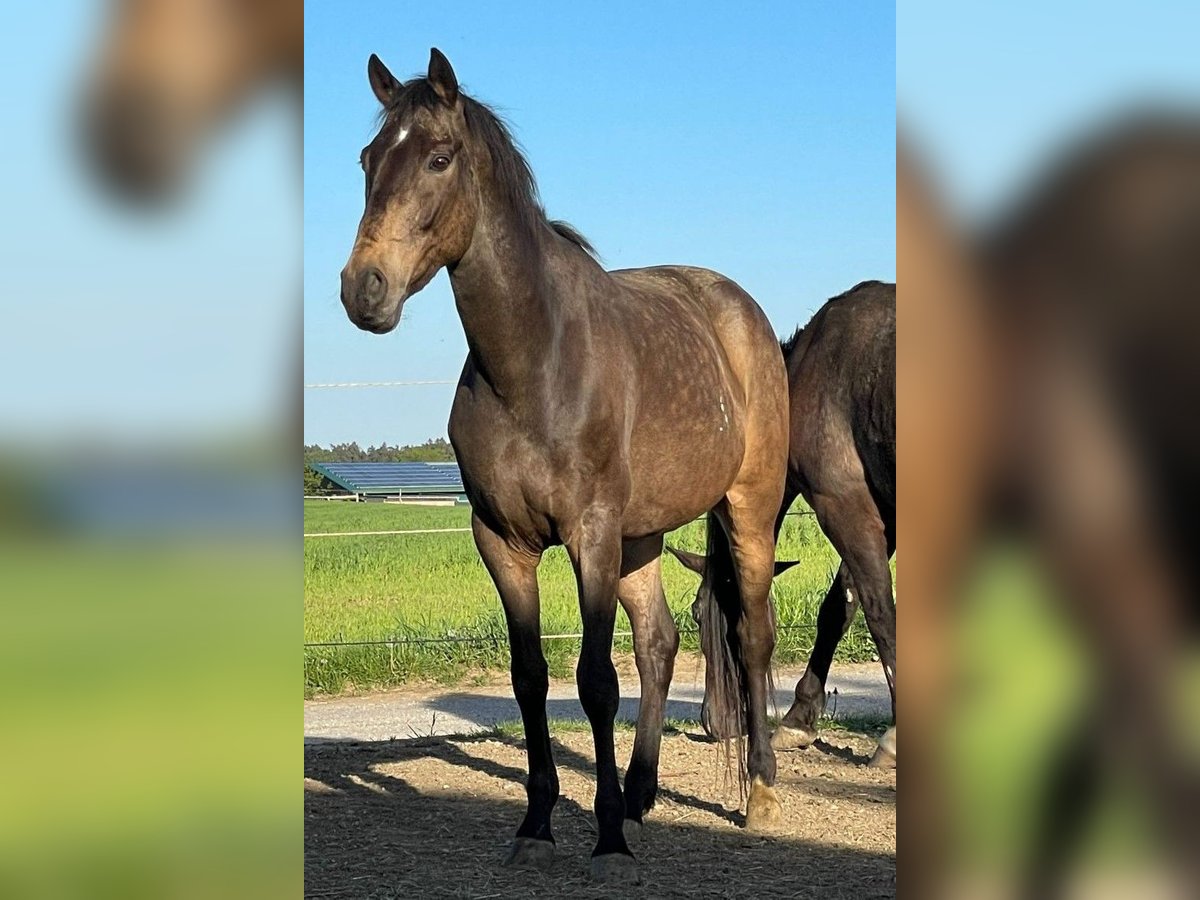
(433, 450)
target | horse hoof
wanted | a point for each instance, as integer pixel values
(882, 759)
(885, 753)
(530, 853)
(615, 868)
(764, 812)
(786, 738)
(633, 831)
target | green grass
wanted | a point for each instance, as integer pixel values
(408, 587)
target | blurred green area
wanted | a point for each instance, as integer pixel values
(1024, 680)
(149, 717)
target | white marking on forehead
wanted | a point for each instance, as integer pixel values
(401, 136)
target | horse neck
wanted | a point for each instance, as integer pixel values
(510, 311)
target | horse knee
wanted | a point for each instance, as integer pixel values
(657, 653)
(531, 683)
(599, 693)
(670, 640)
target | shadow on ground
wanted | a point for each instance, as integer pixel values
(432, 817)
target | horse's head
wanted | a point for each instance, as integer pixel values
(421, 196)
(168, 73)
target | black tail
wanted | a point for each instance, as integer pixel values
(718, 610)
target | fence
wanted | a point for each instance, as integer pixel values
(323, 534)
(479, 639)
(472, 639)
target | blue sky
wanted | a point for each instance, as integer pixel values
(991, 90)
(755, 139)
(133, 328)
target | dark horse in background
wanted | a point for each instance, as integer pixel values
(596, 410)
(842, 459)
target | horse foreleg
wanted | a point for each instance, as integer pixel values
(752, 544)
(515, 575)
(595, 552)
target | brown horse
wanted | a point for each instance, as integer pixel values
(170, 72)
(596, 410)
(1092, 281)
(842, 459)
(1048, 363)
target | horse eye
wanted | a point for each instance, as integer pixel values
(440, 163)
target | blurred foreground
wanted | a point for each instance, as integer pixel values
(1049, 371)
(151, 613)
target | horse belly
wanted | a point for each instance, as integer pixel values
(672, 486)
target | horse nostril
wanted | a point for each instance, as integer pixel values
(372, 285)
(130, 139)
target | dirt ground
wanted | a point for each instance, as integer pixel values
(432, 817)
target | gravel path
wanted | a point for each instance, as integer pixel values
(440, 710)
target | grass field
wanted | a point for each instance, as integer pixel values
(433, 586)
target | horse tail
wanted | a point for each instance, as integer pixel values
(717, 611)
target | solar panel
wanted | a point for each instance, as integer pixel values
(394, 477)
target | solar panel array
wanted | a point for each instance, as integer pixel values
(394, 477)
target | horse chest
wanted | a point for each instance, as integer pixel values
(517, 473)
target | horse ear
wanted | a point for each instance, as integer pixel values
(441, 77)
(782, 566)
(385, 85)
(693, 561)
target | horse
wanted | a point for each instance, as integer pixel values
(596, 410)
(169, 72)
(842, 459)
(1091, 279)
(1056, 345)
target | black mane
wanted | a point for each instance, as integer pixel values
(790, 344)
(509, 166)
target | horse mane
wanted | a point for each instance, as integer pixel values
(571, 233)
(787, 346)
(509, 166)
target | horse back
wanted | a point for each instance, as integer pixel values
(842, 384)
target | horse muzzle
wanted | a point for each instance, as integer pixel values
(135, 143)
(368, 301)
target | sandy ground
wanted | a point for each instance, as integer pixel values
(432, 817)
(428, 814)
(427, 710)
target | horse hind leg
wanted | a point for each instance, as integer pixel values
(798, 728)
(752, 545)
(655, 644)
(853, 523)
(885, 752)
